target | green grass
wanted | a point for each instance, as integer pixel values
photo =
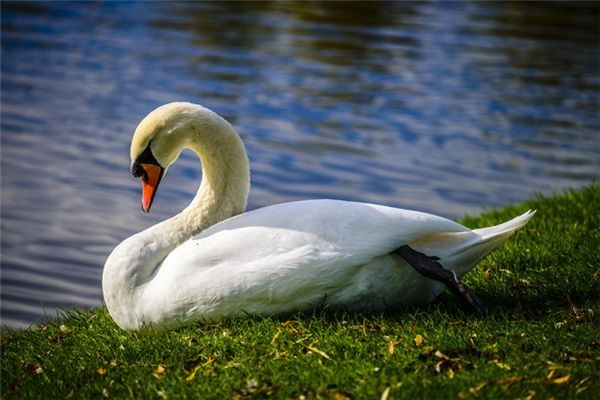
(541, 338)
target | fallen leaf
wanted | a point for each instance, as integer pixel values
(101, 371)
(439, 354)
(251, 383)
(385, 394)
(502, 365)
(582, 389)
(562, 380)
(419, 340)
(192, 374)
(506, 382)
(442, 365)
(93, 317)
(303, 338)
(473, 390)
(319, 352)
(232, 364)
(531, 395)
(197, 368)
(65, 330)
(342, 396)
(35, 368)
(159, 371)
(391, 346)
(275, 336)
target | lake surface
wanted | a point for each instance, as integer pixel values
(444, 107)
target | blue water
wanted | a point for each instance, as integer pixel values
(444, 107)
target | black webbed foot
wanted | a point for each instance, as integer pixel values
(430, 268)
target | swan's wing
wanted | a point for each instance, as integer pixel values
(289, 252)
(307, 234)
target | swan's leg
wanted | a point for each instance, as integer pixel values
(430, 268)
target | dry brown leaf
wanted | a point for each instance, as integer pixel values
(439, 354)
(158, 372)
(391, 346)
(444, 363)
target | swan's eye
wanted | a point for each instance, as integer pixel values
(146, 157)
(137, 171)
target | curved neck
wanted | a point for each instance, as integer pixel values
(223, 191)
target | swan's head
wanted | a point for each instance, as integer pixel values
(157, 142)
(165, 132)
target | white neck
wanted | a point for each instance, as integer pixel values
(222, 194)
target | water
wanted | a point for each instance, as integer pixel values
(442, 107)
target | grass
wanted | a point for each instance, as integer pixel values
(540, 339)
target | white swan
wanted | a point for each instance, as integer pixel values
(206, 263)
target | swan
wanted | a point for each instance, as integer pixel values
(214, 261)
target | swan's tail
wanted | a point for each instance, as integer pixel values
(460, 251)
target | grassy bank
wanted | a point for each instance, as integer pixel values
(540, 339)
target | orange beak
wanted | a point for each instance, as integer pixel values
(150, 180)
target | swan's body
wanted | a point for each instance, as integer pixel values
(207, 264)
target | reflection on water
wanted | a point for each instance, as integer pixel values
(443, 107)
